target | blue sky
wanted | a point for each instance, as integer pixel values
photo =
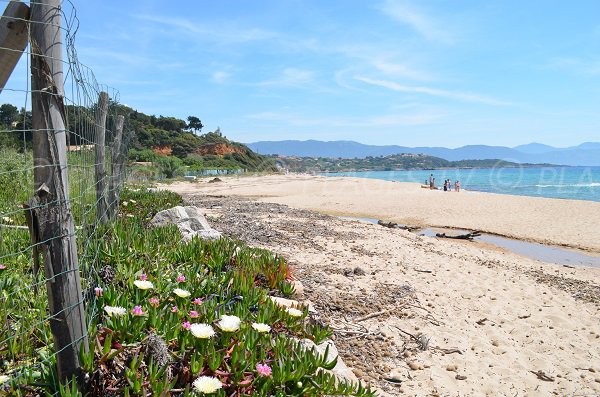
(435, 73)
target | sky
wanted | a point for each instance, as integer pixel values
(412, 73)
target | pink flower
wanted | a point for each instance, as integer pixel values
(154, 301)
(143, 277)
(263, 369)
(186, 325)
(137, 311)
(98, 291)
(180, 278)
(193, 314)
(2, 267)
(197, 301)
(173, 309)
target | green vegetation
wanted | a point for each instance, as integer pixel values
(165, 317)
(385, 163)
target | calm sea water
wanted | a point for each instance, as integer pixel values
(579, 183)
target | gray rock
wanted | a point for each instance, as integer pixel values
(189, 220)
(341, 370)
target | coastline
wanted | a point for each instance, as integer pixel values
(560, 222)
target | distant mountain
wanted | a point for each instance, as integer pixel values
(586, 154)
(535, 148)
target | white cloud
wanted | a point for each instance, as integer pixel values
(290, 77)
(221, 32)
(400, 70)
(220, 76)
(457, 95)
(426, 25)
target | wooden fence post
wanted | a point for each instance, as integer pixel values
(117, 168)
(13, 38)
(52, 220)
(100, 163)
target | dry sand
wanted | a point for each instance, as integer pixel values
(452, 318)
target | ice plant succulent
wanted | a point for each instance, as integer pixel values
(260, 327)
(194, 314)
(207, 384)
(2, 267)
(229, 323)
(143, 277)
(263, 370)
(181, 293)
(186, 325)
(197, 301)
(173, 309)
(294, 312)
(137, 311)
(115, 310)
(143, 284)
(153, 301)
(181, 278)
(202, 331)
(98, 291)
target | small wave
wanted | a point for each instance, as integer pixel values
(593, 184)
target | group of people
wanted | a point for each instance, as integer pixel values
(447, 184)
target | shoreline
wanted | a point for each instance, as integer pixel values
(566, 223)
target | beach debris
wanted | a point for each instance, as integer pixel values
(460, 377)
(216, 179)
(189, 220)
(394, 225)
(371, 315)
(357, 271)
(466, 236)
(542, 376)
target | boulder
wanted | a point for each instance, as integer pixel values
(189, 220)
(341, 370)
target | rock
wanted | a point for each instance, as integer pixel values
(189, 221)
(341, 370)
(216, 179)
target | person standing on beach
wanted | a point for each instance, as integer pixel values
(431, 181)
(457, 186)
(445, 185)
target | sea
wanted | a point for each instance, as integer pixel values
(578, 183)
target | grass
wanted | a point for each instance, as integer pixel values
(149, 345)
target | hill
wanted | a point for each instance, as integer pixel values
(586, 154)
(403, 161)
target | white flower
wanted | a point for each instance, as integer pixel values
(207, 384)
(124, 203)
(202, 331)
(115, 310)
(260, 327)
(7, 219)
(229, 323)
(143, 284)
(4, 379)
(181, 293)
(294, 312)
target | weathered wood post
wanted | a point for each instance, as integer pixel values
(13, 38)
(100, 167)
(117, 168)
(52, 223)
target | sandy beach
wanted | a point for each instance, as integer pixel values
(421, 316)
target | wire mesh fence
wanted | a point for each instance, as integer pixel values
(83, 135)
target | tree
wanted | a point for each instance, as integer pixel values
(194, 123)
(8, 114)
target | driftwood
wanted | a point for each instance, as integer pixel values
(467, 236)
(394, 225)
